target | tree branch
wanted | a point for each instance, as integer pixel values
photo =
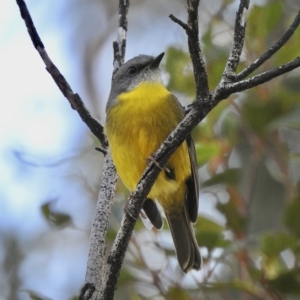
(225, 90)
(179, 22)
(136, 199)
(74, 99)
(97, 246)
(200, 74)
(229, 73)
(119, 46)
(268, 54)
(96, 268)
(204, 102)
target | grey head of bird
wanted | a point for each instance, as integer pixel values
(139, 69)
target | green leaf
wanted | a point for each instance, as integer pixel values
(214, 116)
(234, 220)
(208, 150)
(209, 225)
(287, 282)
(298, 187)
(235, 284)
(230, 128)
(256, 274)
(289, 52)
(36, 296)
(257, 35)
(215, 55)
(210, 234)
(177, 292)
(272, 244)
(291, 216)
(178, 64)
(261, 115)
(55, 218)
(125, 277)
(230, 177)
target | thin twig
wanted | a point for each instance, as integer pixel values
(203, 101)
(135, 201)
(268, 54)
(119, 46)
(202, 90)
(179, 22)
(74, 99)
(238, 43)
(96, 269)
(110, 276)
(97, 247)
(207, 102)
(262, 78)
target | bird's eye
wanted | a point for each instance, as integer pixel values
(132, 70)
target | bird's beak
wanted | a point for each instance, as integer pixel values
(155, 63)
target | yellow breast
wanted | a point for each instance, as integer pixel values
(136, 127)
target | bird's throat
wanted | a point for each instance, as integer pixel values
(144, 96)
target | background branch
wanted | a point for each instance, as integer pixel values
(238, 43)
(96, 269)
(97, 247)
(136, 199)
(109, 177)
(265, 76)
(205, 101)
(202, 90)
(191, 28)
(119, 46)
(270, 52)
(74, 99)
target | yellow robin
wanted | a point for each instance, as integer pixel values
(141, 113)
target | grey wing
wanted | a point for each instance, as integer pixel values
(153, 213)
(192, 198)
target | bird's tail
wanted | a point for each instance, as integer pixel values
(186, 246)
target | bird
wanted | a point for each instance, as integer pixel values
(140, 114)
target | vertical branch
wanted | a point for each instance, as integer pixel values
(95, 274)
(116, 258)
(203, 98)
(120, 245)
(202, 90)
(100, 286)
(96, 259)
(238, 43)
(95, 265)
(95, 279)
(117, 253)
(268, 54)
(119, 46)
(73, 98)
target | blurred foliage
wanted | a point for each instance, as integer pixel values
(55, 218)
(178, 63)
(248, 155)
(36, 296)
(249, 161)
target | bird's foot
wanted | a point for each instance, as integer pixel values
(152, 159)
(128, 212)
